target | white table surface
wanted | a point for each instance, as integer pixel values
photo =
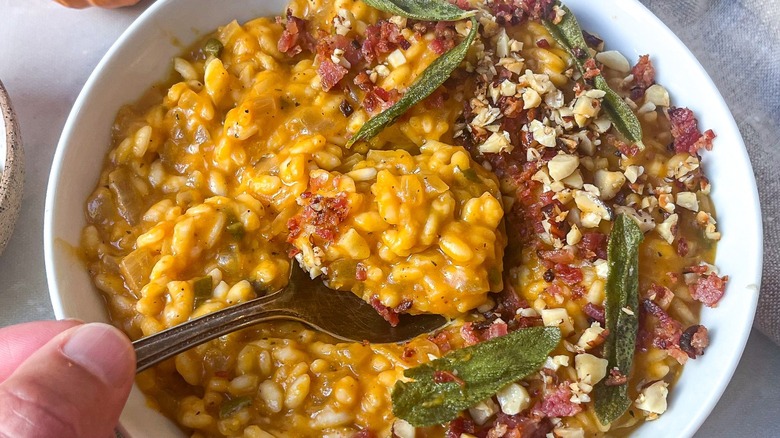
(46, 54)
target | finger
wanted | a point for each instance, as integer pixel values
(73, 387)
(18, 342)
(77, 4)
(81, 4)
(112, 3)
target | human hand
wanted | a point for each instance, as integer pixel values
(63, 379)
(80, 4)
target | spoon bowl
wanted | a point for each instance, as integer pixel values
(340, 314)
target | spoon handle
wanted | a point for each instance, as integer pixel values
(162, 345)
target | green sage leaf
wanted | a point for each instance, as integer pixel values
(621, 313)
(427, 10)
(425, 84)
(481, 370)
(568, 34)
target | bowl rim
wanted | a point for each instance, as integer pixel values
(12, 169)
(633, 7)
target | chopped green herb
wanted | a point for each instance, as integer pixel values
(213, 47)
(470, 174)
(427, 10)
(202, 288)
(621, 312)
(232, 406)
(476, 373)
(568, 34)
(425, 84)
(236, 230)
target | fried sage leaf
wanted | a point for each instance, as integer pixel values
(621, 313)
(427, 10)
(442, 388)
(568, 34)
(425, 84)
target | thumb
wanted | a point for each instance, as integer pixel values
(74, 386)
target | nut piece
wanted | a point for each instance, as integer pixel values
(563, 165)
(513, 399)
(590, 369)
(403, 429)
(482, 411)
(497, 142)
(614, 60)
(657, 95)
(558, 317)
(589, 336)
(688, 200)
(609, 183)
(531, 98)
(653, 398)
(593, 210)
(667, 228)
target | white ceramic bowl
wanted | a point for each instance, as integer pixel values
(142, 57)
(11, 168)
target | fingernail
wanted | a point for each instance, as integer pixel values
(102, 350)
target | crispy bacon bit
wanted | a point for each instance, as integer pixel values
(595, 312)
(519, 426)
(568, 274)
(591, 69)
(686, 134)
(628, 150)
(558, 403)
(694, 340)
(666, 333)
(442, 340)
(660, 295)
(615, 378)
(436, 99)
(495, 330)
(468, 334)
(445, 37)
(294, 38)
(377, 98)
(321, 216)
(460, 426)
(444, 376)
(462, 4)
(330, 72)
(475, 333)
(558, 256)
(360, 272)
(390, 315)
(709, 289)
(404, 307)
(382, 38)
(408, 353)
(542, 43)
(593, 246)
(644, 77)
(517, 11)
(682, 246)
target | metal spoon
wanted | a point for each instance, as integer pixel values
(340, 314)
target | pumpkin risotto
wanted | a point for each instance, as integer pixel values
(473, 160)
